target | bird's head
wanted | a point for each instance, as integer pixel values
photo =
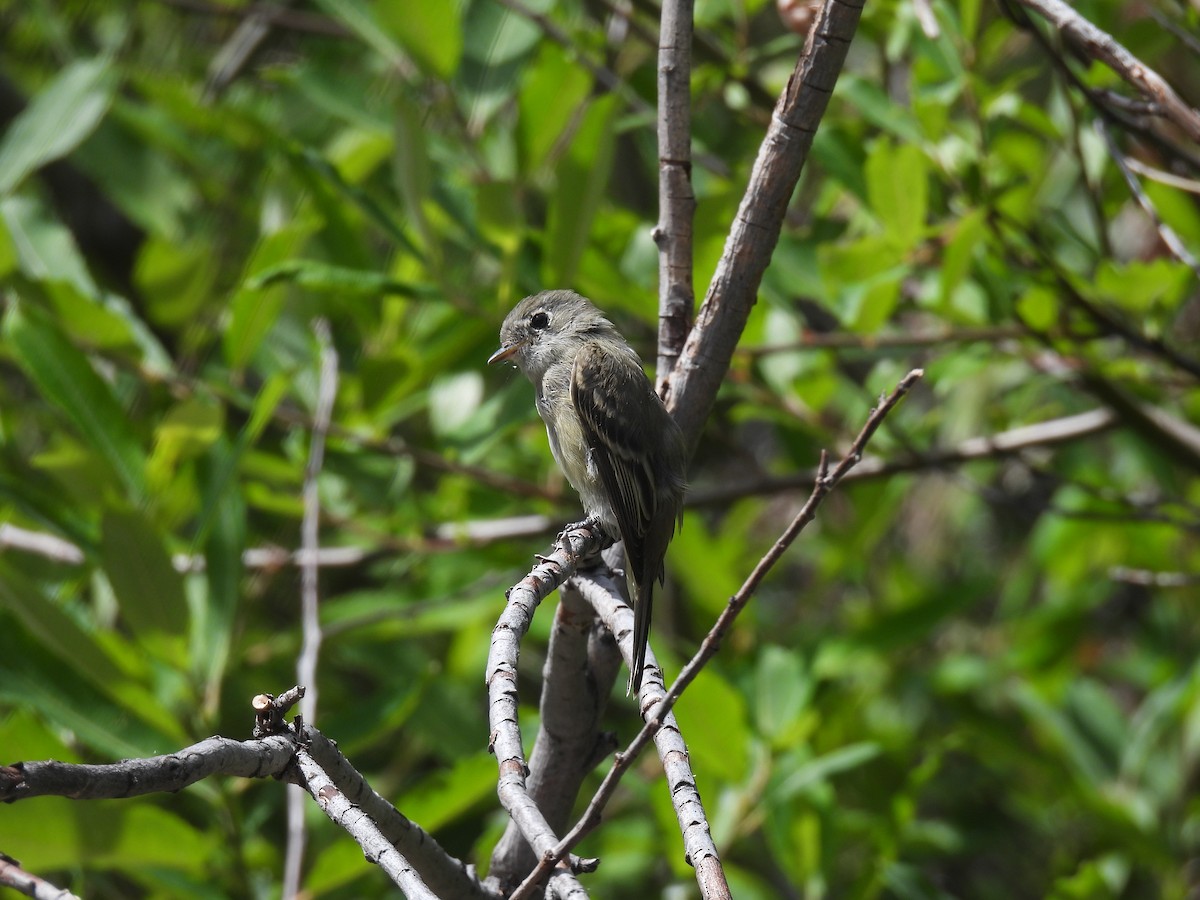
(542, 329)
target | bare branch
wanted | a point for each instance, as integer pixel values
(39, 543)
(1100, 45)
(260, 758)
(1006, 443)
(13, 876)
(310, 621)
(1146, 578)
(1168, 234)
(376, 847)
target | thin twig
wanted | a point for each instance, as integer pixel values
(310, 620)
(569, 744)
(1191, 185)
(840, 340)
(1006, 443)
(825, 482)
(1147, 578)
(13, 876)
(1100, 45)
(1168, 234)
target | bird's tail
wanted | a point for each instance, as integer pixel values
(643, 597)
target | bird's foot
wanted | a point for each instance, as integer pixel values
(592, 523)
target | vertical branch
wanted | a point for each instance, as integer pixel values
(310, 623)
(676, 201)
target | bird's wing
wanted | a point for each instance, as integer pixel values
(608, 390)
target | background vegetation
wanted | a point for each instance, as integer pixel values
(971, 679)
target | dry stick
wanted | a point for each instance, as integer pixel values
(1101, 46)
(13, 876)
(836, 340)
(676, 200)
(1191, 185)
(825, 482)
(376, 847)
(1165, 231)
(310, 622)
(1147, 578)
(752, 238)
(236, 53)
(1006, 443)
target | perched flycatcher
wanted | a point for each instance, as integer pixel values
(609, 433)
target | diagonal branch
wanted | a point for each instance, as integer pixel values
(13, 876)
(1100, 45)
(755, 231)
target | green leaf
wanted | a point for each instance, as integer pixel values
(713, 716)
(582, 178)
(443, 797)
(362, 19)
(1138, 287)
(1038, 307)
(56, 120)
(823, 767)
(175, 279)
(898, 190)
(430, 32)
(216, 615)
(496, 42)
(46, 251)
(53, 628)
(877, 107)
(187, 431)
(255, 309)
(783, 690)
(324, 278)
(551, 93)
(148, 589)
(965, 238)
(32, 678)
(65, 378)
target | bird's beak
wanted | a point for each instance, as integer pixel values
(505, 352)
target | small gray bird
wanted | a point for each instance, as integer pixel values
(609, 432)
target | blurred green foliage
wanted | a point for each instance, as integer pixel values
(943, 691)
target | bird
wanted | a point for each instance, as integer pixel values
(609, 433)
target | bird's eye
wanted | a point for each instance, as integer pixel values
(539, 320)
